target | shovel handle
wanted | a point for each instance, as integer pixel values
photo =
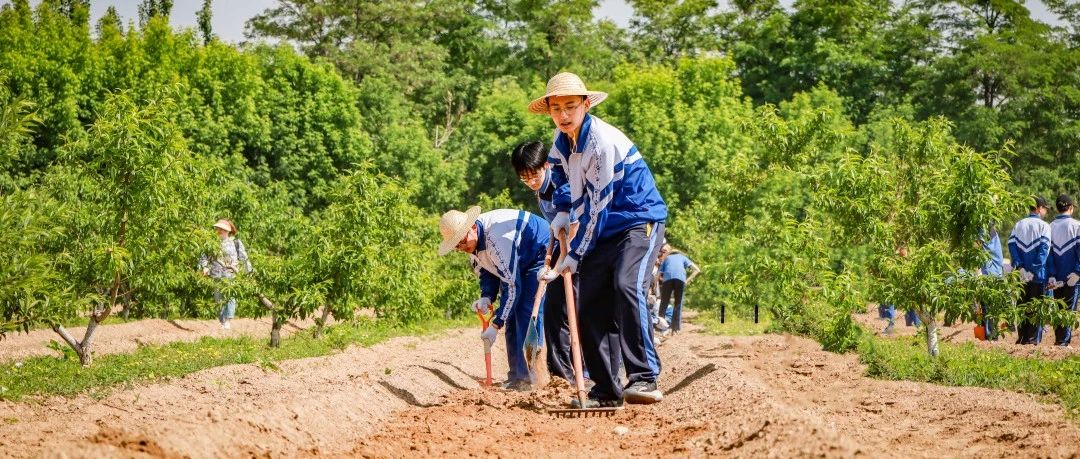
(485, 321)
(571, 318)
(540, 289)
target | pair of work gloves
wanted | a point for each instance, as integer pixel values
(1053, 282)
(1071, 280)
(559, 225)
(483, 307)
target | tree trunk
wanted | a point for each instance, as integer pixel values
(82, 348)
(319, 324)
(86, 357)
(931, 334)
(275, 330)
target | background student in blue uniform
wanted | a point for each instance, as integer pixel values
(1063, 265)
(1029, 246)
(673, 281)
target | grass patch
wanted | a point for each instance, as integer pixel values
(64, 376)
(967, 365)
(733, 325)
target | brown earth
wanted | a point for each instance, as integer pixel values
(759, 396)
(115, 338)
(965, 333)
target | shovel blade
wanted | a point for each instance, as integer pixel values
(533, 345)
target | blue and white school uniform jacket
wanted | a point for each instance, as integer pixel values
(545, 197)
(1064, 256)
(509, 244)
(605, 185)
(1029, 246)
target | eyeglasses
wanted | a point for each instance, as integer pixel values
(529, 176)
(567, 109)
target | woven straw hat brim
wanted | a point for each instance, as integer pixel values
(460, 230)
(565, 84)
(540, 105)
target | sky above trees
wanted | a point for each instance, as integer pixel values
(230, 17)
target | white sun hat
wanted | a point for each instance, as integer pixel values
(225, 225)
(453, 226)
(565, 84)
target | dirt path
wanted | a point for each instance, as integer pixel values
(118, 338)
(746, 396)
(965, 333)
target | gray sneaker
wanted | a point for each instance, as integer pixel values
(642, 393)
(518, 386)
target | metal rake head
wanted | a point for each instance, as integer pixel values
(583, 412)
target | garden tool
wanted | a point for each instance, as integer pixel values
(575, 351)
(534, 341)
(485, 320)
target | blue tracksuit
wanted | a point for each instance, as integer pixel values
(1064, 260)
(1029, 246)
(556, 323)
(993, 267)
(509, 254)
(603, 182)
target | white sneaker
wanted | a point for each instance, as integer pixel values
(225, 325)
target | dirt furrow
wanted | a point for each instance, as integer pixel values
(771, 396)
(768, 396)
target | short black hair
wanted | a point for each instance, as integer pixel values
(1039, 202)
(528, 156)
(1063, 203)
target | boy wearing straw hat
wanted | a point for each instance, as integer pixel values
(507, 249)
(608, 203)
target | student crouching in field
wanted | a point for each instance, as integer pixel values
(507, 249)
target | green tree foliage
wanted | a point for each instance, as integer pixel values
(204, 17)
(488, 135)
(797, 149)
(1004, 76)
(668, 29)
(126, 183)
(685, 119)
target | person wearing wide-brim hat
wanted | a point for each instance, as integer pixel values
(507, 249)
(232, 259)
(608, 203)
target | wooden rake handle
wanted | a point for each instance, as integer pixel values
(571, 318)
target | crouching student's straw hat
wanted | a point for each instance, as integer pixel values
(565, 84)
(454, 225)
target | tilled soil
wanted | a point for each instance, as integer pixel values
(771, 395)
(965, 333)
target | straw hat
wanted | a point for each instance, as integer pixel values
(454, 225)
(565, 84)
(225, 225)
